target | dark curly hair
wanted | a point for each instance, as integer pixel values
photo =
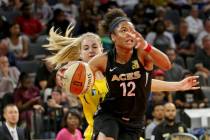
(110, 16)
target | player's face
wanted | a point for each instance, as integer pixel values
(123, 35)
(11, 115)
(90, 47)
(170, 112)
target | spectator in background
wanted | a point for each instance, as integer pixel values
(56, 108)
(27, 98)
(89, 17)
(59, 21)
(17, 43)
(8, 76)
(190, 98)
(45, 76)
(149, 10)
(70, 10)
(175, 73)
(86, 23)
(11, 4)
(42, 11)
(169, 125)
(185, 42)
(202, 60)
(4, 26)
(106, 5)
(203, 33)
(71, 123)
(105, 38)
(161, 14)
(160, 38)
(55, 101)
(158, 114)
(11, 10)
(141, 23)
(4, 51)
(127, 6)
(195, 24)
(9, 129)
(206, 10)
(29, 25)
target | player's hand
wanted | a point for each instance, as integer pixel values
(141, 43)
(59, 77)
(60, 74)
(189, 83)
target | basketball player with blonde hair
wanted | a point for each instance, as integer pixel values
(81, 48)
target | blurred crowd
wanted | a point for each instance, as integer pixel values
(180, 28)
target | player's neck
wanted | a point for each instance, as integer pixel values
(123, 55)
(72, 131)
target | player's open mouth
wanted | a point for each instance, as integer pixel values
(129, 41)
(92, 55)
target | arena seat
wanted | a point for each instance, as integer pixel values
(36, 51)
(206, 91)
(28, 66)
(189, 61)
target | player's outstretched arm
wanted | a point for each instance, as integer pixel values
(98, 63)
(189, 83)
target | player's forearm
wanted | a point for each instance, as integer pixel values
(160, 59)
(158, 85)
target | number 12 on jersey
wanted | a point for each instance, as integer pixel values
(126, 86)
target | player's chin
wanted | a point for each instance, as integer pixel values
(130, 46)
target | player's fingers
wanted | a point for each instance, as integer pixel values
(196, 83)
(137, 46)
(194, 77)
(194, 88)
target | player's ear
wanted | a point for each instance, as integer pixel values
(113, 37)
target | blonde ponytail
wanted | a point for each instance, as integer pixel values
(65, 48)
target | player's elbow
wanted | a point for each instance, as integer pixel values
(167, 66)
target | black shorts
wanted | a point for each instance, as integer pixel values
(116, 128)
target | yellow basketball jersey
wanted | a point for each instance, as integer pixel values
(90, 102)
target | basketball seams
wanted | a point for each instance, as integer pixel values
(90, 79)
(77, 78)
(68, 75)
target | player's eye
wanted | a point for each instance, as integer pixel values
(124, 30)
(86, 48)
(95, 46)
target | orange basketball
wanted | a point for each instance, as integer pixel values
(77, 77)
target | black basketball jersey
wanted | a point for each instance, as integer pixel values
(129, 86)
